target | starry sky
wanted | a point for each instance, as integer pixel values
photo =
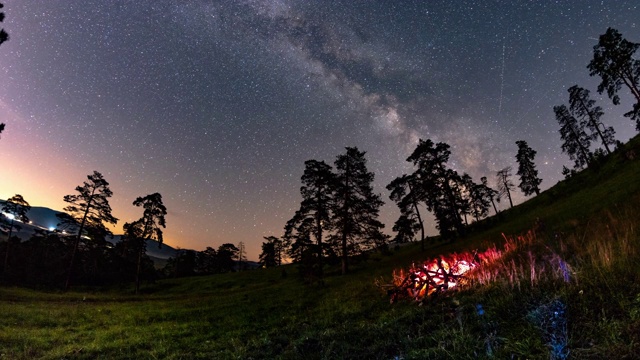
(217, 104)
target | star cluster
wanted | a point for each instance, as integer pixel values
(217, 104)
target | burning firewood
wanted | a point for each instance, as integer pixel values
(430, 277)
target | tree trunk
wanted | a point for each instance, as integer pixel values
(509, 196)
(494, 206)
(77, 242)
(415, 206)
(138, 267)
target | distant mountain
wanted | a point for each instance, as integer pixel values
(45, 218)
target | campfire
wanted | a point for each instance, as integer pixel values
(437, 275)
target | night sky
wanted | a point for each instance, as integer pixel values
(217, 104)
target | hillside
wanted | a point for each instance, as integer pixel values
(570, 288)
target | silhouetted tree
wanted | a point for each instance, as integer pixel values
(148, 227)
(242, 256)
(227, 253)
(489, 193)
(3, 34)
(480, 201)
(16, 208)
(505, 185)
(268, 257)
(90, 208)
(613, 61)
(405, 195)
(576, 141)
(436, 185)
(529, 180)
(584, 109)
(318, 184)
(3, 37)
(355, 208)
(297, 233)
(271, 254)
(207, 261)
(463, 187)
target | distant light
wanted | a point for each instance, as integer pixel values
(11, 216)
(52, 228)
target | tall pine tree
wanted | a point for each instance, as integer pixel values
(529, 180)
(584, 109)
(613, 61)
(148, 227)
(437, 184)
(576, 141)
(404, 193)
(355, 207)
(90, 208)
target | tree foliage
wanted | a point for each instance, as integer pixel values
(480, 196)
(404, 193)
(355, 207)
(613, 61)
(314, 215)
(576, 141)
(529, 180)
(148, 227)
(90, 208)
(437, 185)
(584, 109)
(3, 34)
(267, 257)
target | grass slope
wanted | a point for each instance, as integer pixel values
(510, 311)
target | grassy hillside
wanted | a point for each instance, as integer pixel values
(574, 282)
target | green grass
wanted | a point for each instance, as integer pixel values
(589, 221)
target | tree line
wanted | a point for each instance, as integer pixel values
(337, 218)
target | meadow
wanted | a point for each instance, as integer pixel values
(566, 286)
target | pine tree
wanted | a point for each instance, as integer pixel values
(404, 194)
(576, 141)
(480, 202)
(318, 185)
(297, 234)
(148, 227)
(529, 181)
(355, 207)
(505, 185)
(436, 185)
(613, 61)
(584, 109)
(271, 252)
(89, 208)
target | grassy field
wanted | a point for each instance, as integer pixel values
(569, 290)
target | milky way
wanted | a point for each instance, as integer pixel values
(217, 104)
